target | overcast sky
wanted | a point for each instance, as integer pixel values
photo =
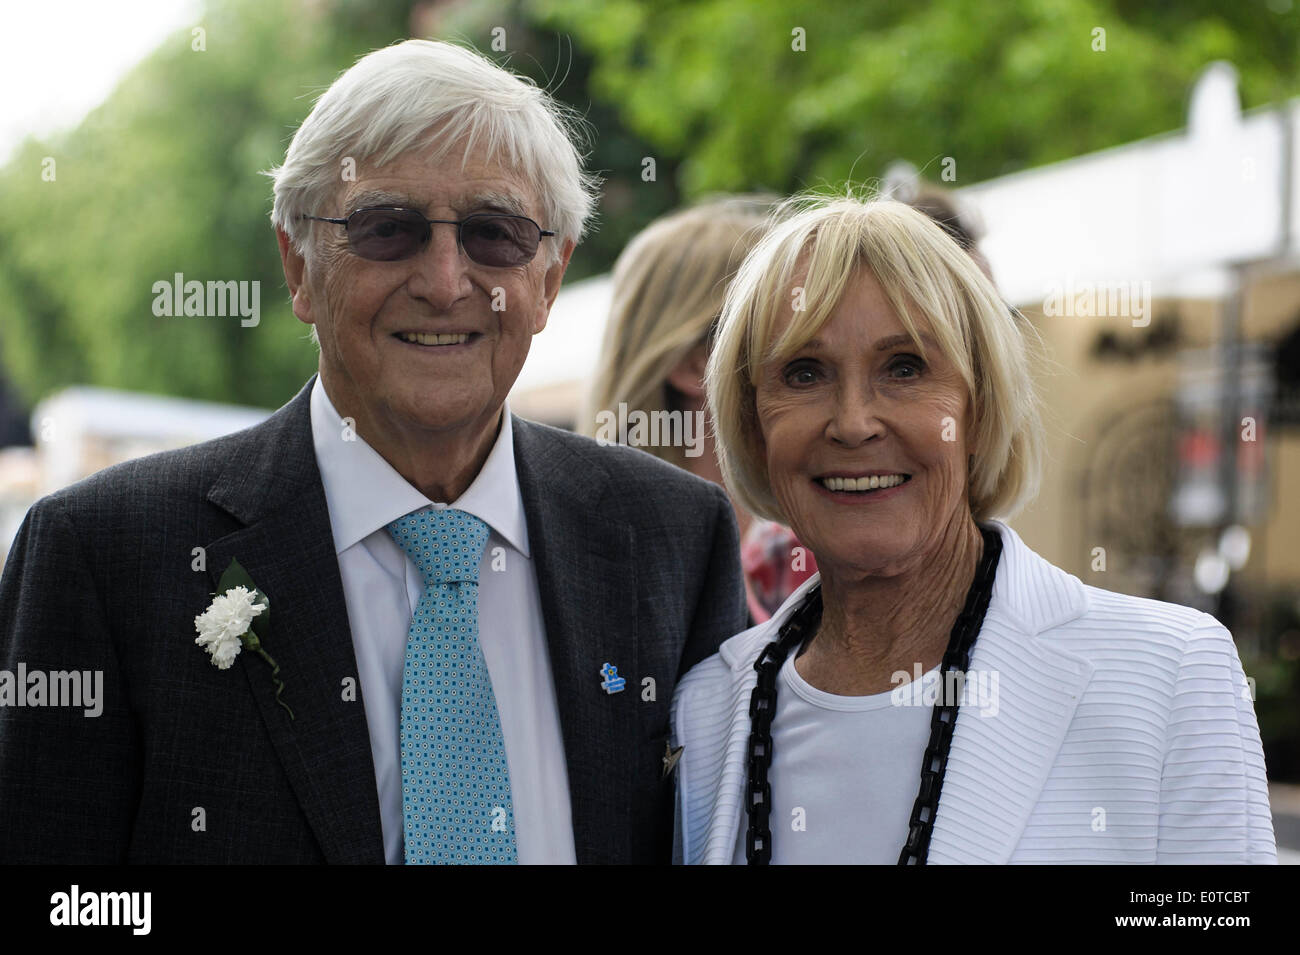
(59, 59)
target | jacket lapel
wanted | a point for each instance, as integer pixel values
(716, 845)
(728, 818)
(1004, 746)
(272, 485)
(586, 577)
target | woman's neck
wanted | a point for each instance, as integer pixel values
(874, 627)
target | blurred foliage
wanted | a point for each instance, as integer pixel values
(163, 177)
(1277, 687)
(997, 86)
(1275, 668)
(555, 62)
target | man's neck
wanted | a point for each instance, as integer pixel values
(440, 464)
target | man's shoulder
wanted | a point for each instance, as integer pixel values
(185, 472)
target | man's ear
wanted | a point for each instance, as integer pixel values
(295, 271)
(688, 374)
(551, 285)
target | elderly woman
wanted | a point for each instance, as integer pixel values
(938, 692)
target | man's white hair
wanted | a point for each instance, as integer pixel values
(424, 93)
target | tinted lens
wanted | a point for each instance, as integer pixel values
(386, 235)
(500, 241)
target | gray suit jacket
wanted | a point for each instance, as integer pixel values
(637, 564)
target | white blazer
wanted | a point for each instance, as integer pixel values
(1130, 706)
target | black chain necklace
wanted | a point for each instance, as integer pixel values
(762, 707)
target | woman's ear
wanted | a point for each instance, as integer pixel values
(688, 375)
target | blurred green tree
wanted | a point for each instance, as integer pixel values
(768, 93)
(163, 178)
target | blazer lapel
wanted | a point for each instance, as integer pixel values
(273, 486)
(586, 576)
(728, 817)
(717, 838)
(1005, 742)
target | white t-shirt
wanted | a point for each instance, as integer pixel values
(845, 773)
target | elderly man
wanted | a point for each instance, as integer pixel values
(427, 631)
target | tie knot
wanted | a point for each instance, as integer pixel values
(445, 544)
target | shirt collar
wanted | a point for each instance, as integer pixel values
(365, 494)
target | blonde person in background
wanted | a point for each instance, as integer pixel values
(943, 206)
(938, 692)
(669, 285)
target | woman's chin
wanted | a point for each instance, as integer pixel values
(877, 556)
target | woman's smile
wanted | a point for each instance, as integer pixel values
(857, 489)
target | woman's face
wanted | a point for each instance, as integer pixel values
(856, 402)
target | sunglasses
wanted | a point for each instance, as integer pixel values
(493, 239)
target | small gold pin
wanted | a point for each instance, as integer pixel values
(671, 756)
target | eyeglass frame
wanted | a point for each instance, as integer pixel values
(459, 224)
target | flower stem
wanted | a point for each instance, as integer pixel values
(275, 676)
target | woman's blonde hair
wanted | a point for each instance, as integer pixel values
(669, 285)
(819, 245)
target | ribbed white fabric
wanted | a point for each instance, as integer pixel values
(1124, 733)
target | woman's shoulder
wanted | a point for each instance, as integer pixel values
(1126, 615)
(728, 665)
(736, 656)
(1140, 644)
(1052, 601)
(710, 685)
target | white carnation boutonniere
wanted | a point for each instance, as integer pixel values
(239, 618)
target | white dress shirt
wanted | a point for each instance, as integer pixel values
(382, 587)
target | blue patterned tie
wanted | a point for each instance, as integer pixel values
(456, 805)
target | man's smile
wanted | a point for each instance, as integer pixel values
(449, 341)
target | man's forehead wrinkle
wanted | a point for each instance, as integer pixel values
(501, 201)
(379, 197)
(474, 201)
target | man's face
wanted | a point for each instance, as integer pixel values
(366, 312)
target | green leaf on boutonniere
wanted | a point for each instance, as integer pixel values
(236, 576)
(259, 628)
